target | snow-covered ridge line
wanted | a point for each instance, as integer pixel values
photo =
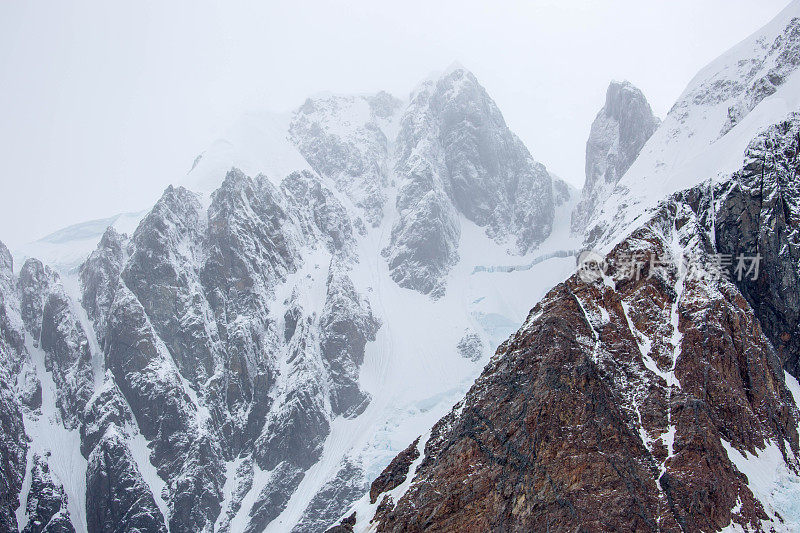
(280, 336)
(748, 88)
(643, 370)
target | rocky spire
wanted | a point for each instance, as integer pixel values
(618, 133)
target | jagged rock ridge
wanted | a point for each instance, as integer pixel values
(197, 367)
(205, 362)
(456, 157)
(638, 394)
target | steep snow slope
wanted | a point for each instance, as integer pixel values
(59, 445)
(751, 86)
(414, 370)
(645, 396)
(244, 357)
(257, 143)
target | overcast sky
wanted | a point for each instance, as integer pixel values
(102, 104)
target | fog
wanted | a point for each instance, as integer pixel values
(105, 103)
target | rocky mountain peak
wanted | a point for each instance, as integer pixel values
(636, 388)
(111, 240)
(34, 284)
(624, 99)
(457, 158)
(6, 265)
(618, 133)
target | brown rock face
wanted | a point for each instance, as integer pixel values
(394, 474)
(610, 409)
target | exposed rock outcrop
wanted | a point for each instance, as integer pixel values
(13, 445)
(117, 498)
(618, 133)
(634, 394)
(457, 157)
(46, 507)
(759, 213)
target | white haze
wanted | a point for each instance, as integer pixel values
(105, 103)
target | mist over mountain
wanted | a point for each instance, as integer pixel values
(381, 312)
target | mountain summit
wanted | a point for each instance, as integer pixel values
(304, 328)
(457, 159)
(618, 133)
(655, 389)
(245, 358)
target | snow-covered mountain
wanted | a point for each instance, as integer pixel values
(321, 287)
(649, 402)
(751, 86)
(658, 389)
(280, 340)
